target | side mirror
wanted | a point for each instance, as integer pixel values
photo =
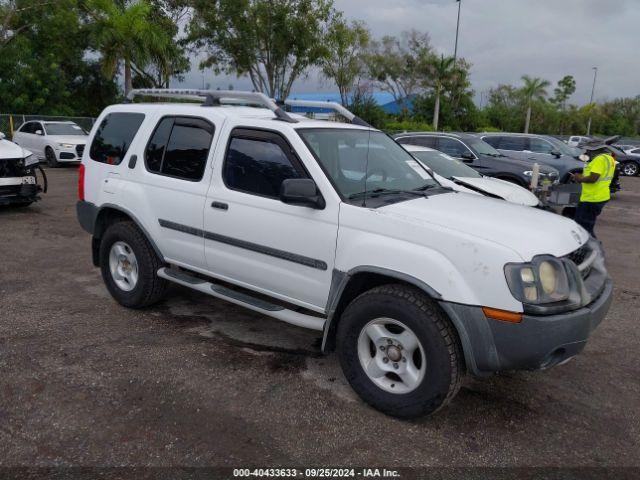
(556, 154)
(39, 132)
(302, 192)
(468, 156)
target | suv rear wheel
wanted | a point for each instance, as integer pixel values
(399, 352)
(129, 265)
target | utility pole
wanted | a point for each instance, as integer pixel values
(455, 51)
(593, 89)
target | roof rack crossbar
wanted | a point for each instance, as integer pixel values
(328, 105)
(213, 97)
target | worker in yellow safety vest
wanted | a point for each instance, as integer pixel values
(595, 179)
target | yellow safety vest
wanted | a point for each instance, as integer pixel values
(605, 166)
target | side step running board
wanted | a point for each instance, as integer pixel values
(256, 304)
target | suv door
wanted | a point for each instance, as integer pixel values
(254, 239)
(175, 178)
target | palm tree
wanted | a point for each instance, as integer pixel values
(442, 70)
(534, 88)
(124, 33)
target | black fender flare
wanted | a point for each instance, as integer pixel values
(340, 280)
(89, 215)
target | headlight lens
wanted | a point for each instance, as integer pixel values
(542, 281)
(528, 173)
(66, 145)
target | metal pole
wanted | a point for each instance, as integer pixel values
(455, 51)
(593, 89)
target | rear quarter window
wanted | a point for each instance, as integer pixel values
(114, 136)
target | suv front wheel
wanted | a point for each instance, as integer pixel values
(399, 352)
(129, 264)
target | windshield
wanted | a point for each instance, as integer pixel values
(63, 129)
(359, 161)
(444, 165)
(480, 147)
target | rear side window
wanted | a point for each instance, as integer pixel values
(452, 147)
(28, 128)
(258, 164)
(423, 141)
(179, 147)
(494, 141)
(114, 136)
(517, 144)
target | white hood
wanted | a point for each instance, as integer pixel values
(524, 230)
(509, 191)
(11, 150)
(72, 139)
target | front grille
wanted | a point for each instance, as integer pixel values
(67, 156)
(579, 255)
(79, 150)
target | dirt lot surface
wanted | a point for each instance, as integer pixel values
(197, 382)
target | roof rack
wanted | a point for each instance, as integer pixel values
(213, 98)
(328, 105)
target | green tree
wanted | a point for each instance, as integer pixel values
(398, 65)
(125, 33)
(274, 42)
(441, 71)
(343, 63)
(533, 89)
(563, 91)
(44, 66)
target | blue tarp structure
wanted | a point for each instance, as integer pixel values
(384, 99)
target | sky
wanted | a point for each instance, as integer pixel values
(505, 39)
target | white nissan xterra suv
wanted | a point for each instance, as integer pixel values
(335, 227)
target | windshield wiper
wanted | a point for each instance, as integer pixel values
(376, 192)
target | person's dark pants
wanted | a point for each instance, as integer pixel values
(586, 215)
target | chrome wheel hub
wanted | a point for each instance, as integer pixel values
(123, 266)
(391, 355)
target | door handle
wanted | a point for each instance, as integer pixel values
(219, 205)
(132, 161)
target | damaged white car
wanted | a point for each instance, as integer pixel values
(19, 183)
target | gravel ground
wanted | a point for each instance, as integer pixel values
(198, 382)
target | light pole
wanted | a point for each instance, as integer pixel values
(455, 50)
(593, 89)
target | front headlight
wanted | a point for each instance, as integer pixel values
(544, 280)
(66, 145)
(31, 160)
(528, 173)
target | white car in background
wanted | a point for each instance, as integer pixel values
(455, 174)
(577, 140)
(55, 142)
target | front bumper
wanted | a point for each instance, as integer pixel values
(69, 155)
(19, 189)
(536, 342)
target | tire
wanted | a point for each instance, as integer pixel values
(629, 169)
(22, 204)
(148, 287)
(438, 347)
(50, 155)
